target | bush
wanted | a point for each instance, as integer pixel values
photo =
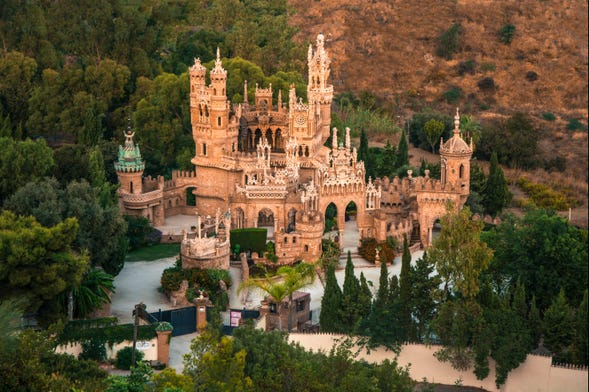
(486, 84)
(548, 116)
(574, 125)
(448, 42)
(368, 246)
(556, 163)
(506, 33)
(466, 67)
(545, 196)
(487, 67)
(453, 95)
(531, 76)
(123, 360)
(93, 349)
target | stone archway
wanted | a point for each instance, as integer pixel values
(266, 218)
(237, 218)
(291, 222)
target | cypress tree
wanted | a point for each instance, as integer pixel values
(535, 324)
(558, 325)
(364, 298)
(405, 291)
(363, 151)
(497, 195)
(387, 166)
(350, 294)
(402, 151)
(579, 348)
(330, 320)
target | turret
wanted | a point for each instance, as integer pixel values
(129, 165)
(319, 92)
(455, 157)
(219, 104)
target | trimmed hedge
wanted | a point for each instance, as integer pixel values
(251, 239)
(103, 330)
(368, 247)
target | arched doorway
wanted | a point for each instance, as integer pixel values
(237, 218)
(266, 218)
(190, 197)
(330, 218)
(350, 230)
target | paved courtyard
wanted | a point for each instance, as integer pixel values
(140, 281)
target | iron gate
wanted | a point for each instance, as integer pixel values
(183, 320)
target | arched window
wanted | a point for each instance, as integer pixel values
(204, 149)
(306, 248)
(131, 187)
(219, 121)
(461, 172)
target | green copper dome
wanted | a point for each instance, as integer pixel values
(129, 160)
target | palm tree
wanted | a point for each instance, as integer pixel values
(91, 293)
(284, 284)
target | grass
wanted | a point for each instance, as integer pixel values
(153, 252)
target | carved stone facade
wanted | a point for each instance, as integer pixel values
(266, 164)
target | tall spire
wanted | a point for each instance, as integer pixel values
(245, 91)
(457, 123)
(218, 69)
(348, 144)
(334, 139)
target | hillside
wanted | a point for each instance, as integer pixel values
(389, 48)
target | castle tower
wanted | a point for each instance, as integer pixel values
(129, 165)
(455, 161)
(319, 92)
(263, 98)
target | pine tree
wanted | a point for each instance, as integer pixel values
(330, 320)
(423, 287)
(364, 298)
(519, 301)
(387, 166)
(535, 324)
(402, 151)
(497, 195)
(405, 291)
(580, 340)
(350, 293)
(363, 150)
(558, 325)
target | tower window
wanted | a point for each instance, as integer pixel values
(219, 121)
(131, 187)
(461, 171)
(204, 149)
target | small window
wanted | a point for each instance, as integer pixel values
(285, 240)
(204, 149)
(272, 308)
(219, 121)
(300, 306)
(294, 240)
(306, 248)
(131, 187)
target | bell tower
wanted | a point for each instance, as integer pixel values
(455, 157)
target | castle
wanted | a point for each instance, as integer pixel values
(266, 165)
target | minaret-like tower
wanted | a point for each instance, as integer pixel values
(129, 165)
(319, 92)
(455, 157)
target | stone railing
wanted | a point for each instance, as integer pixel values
(141, 197)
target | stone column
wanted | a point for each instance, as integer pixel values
(163, 346)
(201, 312)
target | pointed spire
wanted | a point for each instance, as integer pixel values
(457, 123)
(218, 69)
(245, 91)
(334, 139)
(348, 138)
(279, 100)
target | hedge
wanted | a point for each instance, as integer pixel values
(251, 239)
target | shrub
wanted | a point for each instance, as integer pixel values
(250, 239)
(486, 84)
(574, 125)
(545, 196)
(368, 246)
(466, 67)
(556, 163)
(123, 360)
(506, 33)
(448, 41)
(93, 349)
(453, 95)
(487, 67)
(548, 116)
(531, 76)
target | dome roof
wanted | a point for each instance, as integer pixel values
(456, 145)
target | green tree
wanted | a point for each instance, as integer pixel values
(91, 293)
(363, 150)
(387, 164)
(448, 41)
(580, 341)
(364, 298)
(558, 325)
(497, 195)
(424, 286)
(535, 324)
(330, 316)
(350, 312)
(458, 253)
(213, 366)
(17, 73)
(405, 285)
(21, 162)
(36, 262)
(471, 129)
(402, 151)
(433, 130)
(544, 252)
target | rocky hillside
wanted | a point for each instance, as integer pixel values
(389, 48)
